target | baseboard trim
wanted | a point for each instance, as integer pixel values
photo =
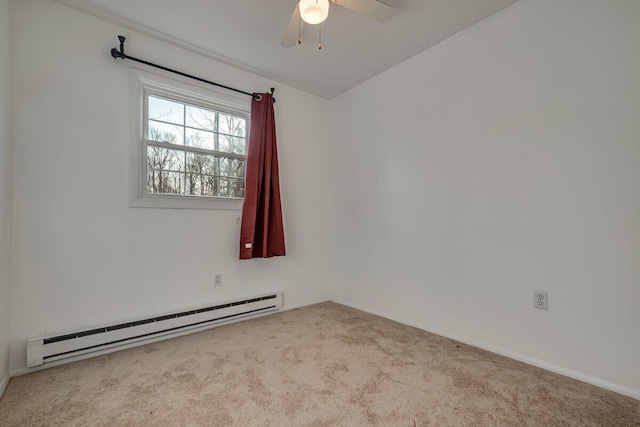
(26, 370)
(589, 379)
(4, 383)
(303, 304)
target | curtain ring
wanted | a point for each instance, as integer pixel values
(258, 97)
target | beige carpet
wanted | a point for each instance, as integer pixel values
(322, 365)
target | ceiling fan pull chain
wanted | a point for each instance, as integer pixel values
(319, 36)
(299, 27)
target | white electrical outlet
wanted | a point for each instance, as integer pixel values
(541, 300)
(218, 280)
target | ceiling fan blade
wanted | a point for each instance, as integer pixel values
(374, 9)
(292, 33)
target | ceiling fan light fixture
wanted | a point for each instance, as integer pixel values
(314, 11)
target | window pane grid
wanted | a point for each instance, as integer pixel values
(197, 128)
(179, 172)
(185, 135)
(194, 150)
(166, 170)
(217, 139)
(196, 173)
(171, 182)
(190, 152)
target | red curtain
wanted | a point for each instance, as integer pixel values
(262, 231)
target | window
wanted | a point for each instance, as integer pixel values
(192, 145)
(193, 150)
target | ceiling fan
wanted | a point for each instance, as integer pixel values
(314, 12)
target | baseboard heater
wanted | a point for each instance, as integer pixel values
(54, 348)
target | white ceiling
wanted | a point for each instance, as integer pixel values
(247, 34)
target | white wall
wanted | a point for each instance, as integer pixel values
(503, 160)
(6, 157)
(82, 257)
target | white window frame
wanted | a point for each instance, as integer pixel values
(143, 83)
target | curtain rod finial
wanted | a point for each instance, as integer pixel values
(119, 54)
(272, 90)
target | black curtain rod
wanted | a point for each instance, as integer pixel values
(120, 54)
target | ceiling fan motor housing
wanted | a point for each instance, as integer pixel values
(314, 11)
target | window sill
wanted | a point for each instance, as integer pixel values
(186, 202)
